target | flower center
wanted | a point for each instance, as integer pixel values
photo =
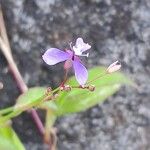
(73, 55)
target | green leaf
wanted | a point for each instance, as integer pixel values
(81, 99)
(9, 140)
(30, 99)
(4, 119)
(49, 105)
(25, 101)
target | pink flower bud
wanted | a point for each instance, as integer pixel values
(114, 67)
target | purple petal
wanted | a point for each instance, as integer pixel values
(53, 56)
(81, 72)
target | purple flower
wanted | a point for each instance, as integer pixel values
(53, 56)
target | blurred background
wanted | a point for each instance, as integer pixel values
(116, 29)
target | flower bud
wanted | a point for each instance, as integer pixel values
(62, 88)
(114, 67)
(91, 88)
(65, 88)
(68, 88)
(48, 90)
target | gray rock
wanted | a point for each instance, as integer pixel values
(116, 29)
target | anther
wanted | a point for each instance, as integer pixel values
(87, 55)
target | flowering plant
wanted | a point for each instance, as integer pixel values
(91, 88)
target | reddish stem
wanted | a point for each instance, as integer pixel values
(65, 78)
(18, 78)
(23, 88)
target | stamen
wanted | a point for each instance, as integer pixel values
(87, 55)
(70, 44)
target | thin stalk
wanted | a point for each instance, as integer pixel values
(100, 76)
(20, 83)
(3, 30)
(65, 78)
(56, 90)
(50, 135)
(6, 50)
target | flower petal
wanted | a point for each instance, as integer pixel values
(79, 42)
(81, 72)
(53, 56)
(80, 46)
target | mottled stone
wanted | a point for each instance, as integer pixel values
(116, 29)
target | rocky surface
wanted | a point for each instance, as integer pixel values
(117, 29)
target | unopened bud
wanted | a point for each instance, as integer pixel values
(62, 88)
(65, 88)
(91, 88)
(68, 88)
(114, 67)
(48, 90)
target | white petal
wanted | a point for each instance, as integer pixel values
(80, 46)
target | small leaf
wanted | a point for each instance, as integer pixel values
(25, 101)
(49, 105)
(9, 140)
(30, 99)
(81, 99)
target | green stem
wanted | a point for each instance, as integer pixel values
(55, 90)
(100, 76)
(9, 116)
(6, 110)
(50, 120)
